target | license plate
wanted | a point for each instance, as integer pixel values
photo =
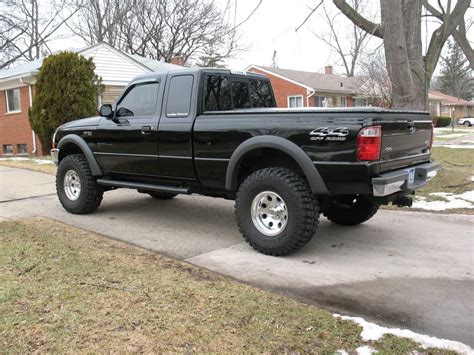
(411, 175)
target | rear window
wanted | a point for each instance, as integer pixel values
(240, 94)
(227, 93)
(260, 93)
(218, 93)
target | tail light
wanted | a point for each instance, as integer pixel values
(369, 142)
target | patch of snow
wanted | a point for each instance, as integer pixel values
(371, 331)
(15, 159)
(455, 146)
(365, 350)
(453, 135)
(464, 200)
(341, 352)
(43, 161)
(472, 178)
(441, 194)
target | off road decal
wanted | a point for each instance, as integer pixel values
(329, 134)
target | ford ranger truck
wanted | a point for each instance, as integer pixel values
(217, 133)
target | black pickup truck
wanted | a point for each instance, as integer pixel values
(217, 133)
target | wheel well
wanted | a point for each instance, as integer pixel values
(68, 149)
(264, 158)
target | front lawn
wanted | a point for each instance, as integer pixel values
(63, 289)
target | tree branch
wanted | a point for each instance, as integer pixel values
(373, 28)
(309, 15)
(440, 35)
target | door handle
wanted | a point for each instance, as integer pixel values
(146, 129)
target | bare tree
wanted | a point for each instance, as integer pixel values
(100, 20)
(348, 43)
(409, 70)
(159, 29)
(376, 87)
(26, 27)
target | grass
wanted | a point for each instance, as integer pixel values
(63, 289)
(455, 175)
(29, 164)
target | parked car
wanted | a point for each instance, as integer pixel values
(218, 133)
(467, 121)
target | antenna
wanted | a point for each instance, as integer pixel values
(274, 60)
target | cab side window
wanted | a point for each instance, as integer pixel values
(140, 101)
(218, 95)
(179, 96)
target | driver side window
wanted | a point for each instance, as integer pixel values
(140, 101)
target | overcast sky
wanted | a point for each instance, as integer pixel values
(272, 27)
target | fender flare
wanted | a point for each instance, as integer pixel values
(86, 150)
(301, 158)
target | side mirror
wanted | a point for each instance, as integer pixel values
(124, 112)
(106, 110)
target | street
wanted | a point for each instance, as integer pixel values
(401, 269)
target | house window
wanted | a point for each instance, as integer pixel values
(13, 100)
(7, 149)
(319, 101)
(295, 101)
(445, 109)
(21, 149)
(343, 101)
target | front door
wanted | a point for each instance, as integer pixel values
(128, 142)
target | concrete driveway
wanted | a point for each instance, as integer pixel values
(400, 269)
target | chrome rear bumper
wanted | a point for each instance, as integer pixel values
(399, 180)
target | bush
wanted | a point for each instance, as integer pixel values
(442, 121)
(66, 89)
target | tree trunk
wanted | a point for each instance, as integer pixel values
(403, 53)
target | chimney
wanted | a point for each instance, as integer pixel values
(328, 69)
(177, 60)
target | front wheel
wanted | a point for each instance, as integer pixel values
(77, 189)
(467, 124)
(275, 211)
(349, 210)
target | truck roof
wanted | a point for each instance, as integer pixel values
(186, 70)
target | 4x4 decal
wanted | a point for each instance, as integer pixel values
(329, 134)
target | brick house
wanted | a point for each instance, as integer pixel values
(446, 105)
(295, 88)
(17, 89)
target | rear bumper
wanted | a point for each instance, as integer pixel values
(407, 179)
(55, 155)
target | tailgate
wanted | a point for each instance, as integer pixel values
(405, 140)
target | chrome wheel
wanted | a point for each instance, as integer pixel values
(269, 213)
(72, 185)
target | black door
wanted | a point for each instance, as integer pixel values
(128, 143)
(175, 127)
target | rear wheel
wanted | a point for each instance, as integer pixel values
(158, 195)
(349, 210)
(275, 211)
(77, 189)
(467, 124)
